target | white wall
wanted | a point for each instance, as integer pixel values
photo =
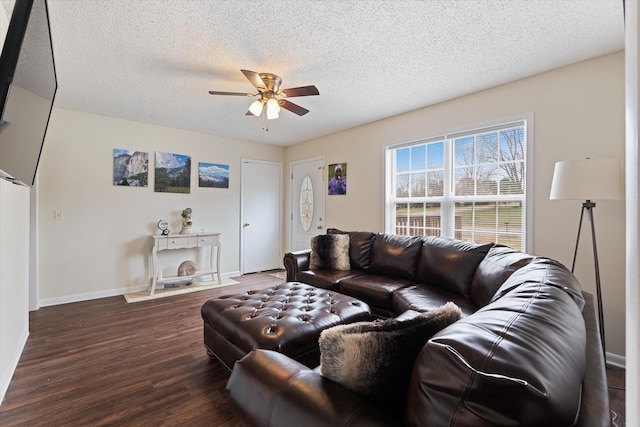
(14, 278)
(101, 245)
(578, 112)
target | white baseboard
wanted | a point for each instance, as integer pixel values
(106, 293)
(66, 299)
(8, 375)
(616, 360)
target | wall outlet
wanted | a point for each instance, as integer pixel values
(58, 215)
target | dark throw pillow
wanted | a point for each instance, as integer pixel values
(330, 251)
(360, 243)
(375, 359)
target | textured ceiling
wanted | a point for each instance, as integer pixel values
(154, 61)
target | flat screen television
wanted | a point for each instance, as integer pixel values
(28, 86)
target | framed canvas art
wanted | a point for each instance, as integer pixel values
(130, 168)
(173, 173)
(213, 175)
(337, 179)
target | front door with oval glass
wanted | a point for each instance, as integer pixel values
(307, 197)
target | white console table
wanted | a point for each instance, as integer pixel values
(185, 241)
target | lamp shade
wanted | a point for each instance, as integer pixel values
(587, 179)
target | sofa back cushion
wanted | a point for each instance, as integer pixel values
(495, 268)
(450, 264)
(394, 255)
(520, 360)
(360, 243)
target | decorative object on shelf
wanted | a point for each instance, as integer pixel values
(188, 268)
(163, 226)
(187, 221)
(588, 179)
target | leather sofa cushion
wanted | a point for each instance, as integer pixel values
(360, 243)
(423, 298)
(268, 388)
(450, 264)
(395, 255)
(499, 263)
(377, 290)
(326, 279)
(518, 361)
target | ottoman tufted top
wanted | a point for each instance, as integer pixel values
(287, 318)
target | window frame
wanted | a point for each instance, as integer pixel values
(448, 197)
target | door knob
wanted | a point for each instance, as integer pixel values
(246, 224)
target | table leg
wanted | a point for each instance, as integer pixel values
(218, 262)
(154, 270)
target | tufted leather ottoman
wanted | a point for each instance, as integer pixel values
(287, 318)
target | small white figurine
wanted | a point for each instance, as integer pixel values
(187, 221)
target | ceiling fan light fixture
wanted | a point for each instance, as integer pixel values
(271, 97)
(273, 109)
(256, 108)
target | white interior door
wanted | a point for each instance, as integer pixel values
(261, 202)
(307, 201)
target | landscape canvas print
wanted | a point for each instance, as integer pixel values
(173, 173)
(213, 175)
(130, 169)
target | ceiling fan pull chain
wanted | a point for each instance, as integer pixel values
(265, 122)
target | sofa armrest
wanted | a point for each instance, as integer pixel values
(595, 409)
(296, 261)
(267, 388)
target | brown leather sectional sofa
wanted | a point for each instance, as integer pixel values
(526, 353)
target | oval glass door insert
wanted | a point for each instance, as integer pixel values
(306, 203)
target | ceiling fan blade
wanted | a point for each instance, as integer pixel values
(294, 108)
(254, 78)
(300, 91)
(215, 92)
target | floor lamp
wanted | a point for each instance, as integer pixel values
(588, 179)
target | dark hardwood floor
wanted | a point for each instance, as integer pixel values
(615, 378)
(105, 362)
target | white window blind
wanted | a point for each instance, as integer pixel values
(469, 185)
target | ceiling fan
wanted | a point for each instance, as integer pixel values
(271, 96)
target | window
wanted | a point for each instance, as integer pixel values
(469, 185)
